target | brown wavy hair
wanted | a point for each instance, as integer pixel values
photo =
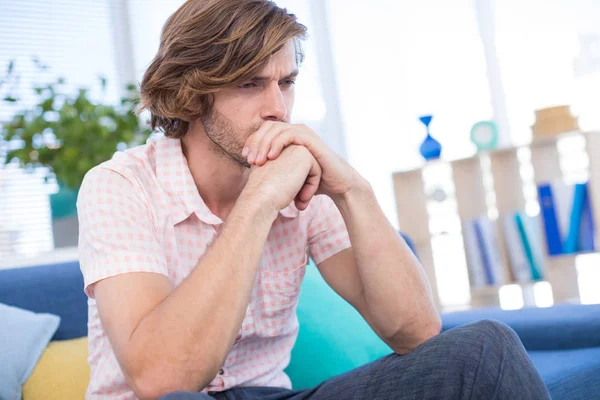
(209, 45)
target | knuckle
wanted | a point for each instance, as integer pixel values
(254, 142)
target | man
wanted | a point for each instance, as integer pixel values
(193, 246)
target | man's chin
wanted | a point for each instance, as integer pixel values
(240, 160)
(245, 164)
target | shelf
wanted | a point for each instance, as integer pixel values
(538, 143)
(495, 288)
(499, 171)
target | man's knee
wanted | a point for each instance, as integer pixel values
(487, 331)
(485, 357)
(503, 367)
(481, 343)
(487, 347)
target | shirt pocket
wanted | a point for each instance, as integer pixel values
(278, 296)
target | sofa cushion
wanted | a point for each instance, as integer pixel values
(570, 374)
(564, 326)
(23, 337)
(62, 373)
(333, 337)
(55, 289)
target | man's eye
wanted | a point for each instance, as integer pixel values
(248, 85)
(289, 82)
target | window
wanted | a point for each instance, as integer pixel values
(396, 61)
(76, 40)
(549, 54)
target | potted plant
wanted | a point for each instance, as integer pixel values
(67, 132)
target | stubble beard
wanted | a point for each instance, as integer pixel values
(227, 141)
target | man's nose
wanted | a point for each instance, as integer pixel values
(274, 107)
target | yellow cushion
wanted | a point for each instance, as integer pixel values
(61, 373)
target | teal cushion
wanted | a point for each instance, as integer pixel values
(333, 336)
(23, 337)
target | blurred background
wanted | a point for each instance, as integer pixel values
(68, 76)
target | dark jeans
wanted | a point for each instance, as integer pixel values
(483, 360)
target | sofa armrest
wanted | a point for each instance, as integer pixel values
(561, 327)
(55, 289)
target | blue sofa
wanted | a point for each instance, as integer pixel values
(563, 341)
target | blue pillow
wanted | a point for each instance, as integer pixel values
(24, 336)
(333, 339)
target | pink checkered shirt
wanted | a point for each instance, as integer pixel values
(141, 212)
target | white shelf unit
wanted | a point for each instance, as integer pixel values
(471, 202)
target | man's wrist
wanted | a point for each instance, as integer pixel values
(358, 189)
(257, 202)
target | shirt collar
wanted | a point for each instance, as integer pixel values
(176, 179)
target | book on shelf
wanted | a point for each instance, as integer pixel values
(562, 194)
(587, 230)
(474, 261)
(534, 232)
(515, 250)
(527, 227)
(482, 251)
(550, 218)
(567, 217)
(523, 246)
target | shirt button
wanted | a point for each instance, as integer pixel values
(221, 372)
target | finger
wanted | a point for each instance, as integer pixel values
(310, 187)
(305, 196)
(267, 139)
(283, 140)
(301, 205)
(253, 140)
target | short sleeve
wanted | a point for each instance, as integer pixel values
(116, 230)
(327, 233)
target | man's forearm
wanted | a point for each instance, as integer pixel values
(186, 338)
(396, 290)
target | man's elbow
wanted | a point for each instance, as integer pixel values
(151, 387)
(152, 383)
(147, 386)
(406, 340)
(431, 329)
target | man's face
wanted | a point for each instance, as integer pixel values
(238, 112)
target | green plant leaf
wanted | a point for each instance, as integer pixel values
(86, 131)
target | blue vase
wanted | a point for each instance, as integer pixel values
(430, 148)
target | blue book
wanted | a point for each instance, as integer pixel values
(587, 230)
(489, 230)
(551, 229)
(572, 240)
(474, 263)
(485, 256)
